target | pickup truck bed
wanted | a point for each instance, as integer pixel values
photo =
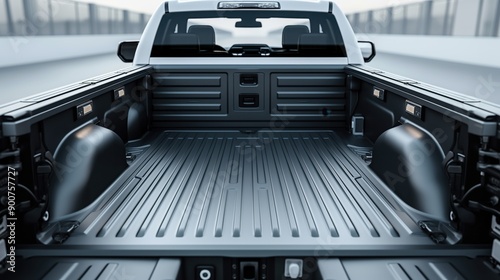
(250, 158)
(211, 183)
(216, 191)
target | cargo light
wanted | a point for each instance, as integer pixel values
(248, 5)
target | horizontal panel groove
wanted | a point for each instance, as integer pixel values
(188, 107)
(192, 115)
(312, 81)
(311, 94)
(186, 94)
(189, 81)
(312, 117)
(309, 107)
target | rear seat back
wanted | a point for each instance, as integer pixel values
(206, 35)
(314, 42)
(291, 35)
(185, 43)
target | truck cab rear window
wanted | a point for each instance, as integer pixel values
(248, 33)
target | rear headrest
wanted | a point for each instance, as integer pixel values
(315, 42)
(183, 42)
(291, 34)
(206, 34)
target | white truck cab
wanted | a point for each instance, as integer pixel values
(243, 32)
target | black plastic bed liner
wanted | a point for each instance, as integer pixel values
(226, 191)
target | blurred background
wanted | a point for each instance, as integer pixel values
(453, 44)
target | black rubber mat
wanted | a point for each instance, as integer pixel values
(229, 191)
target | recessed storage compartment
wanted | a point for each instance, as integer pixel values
(249, 91)
(249, 79)
(249, 100)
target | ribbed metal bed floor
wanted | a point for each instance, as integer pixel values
(227, 190)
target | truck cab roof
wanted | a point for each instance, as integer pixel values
(213, 5)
